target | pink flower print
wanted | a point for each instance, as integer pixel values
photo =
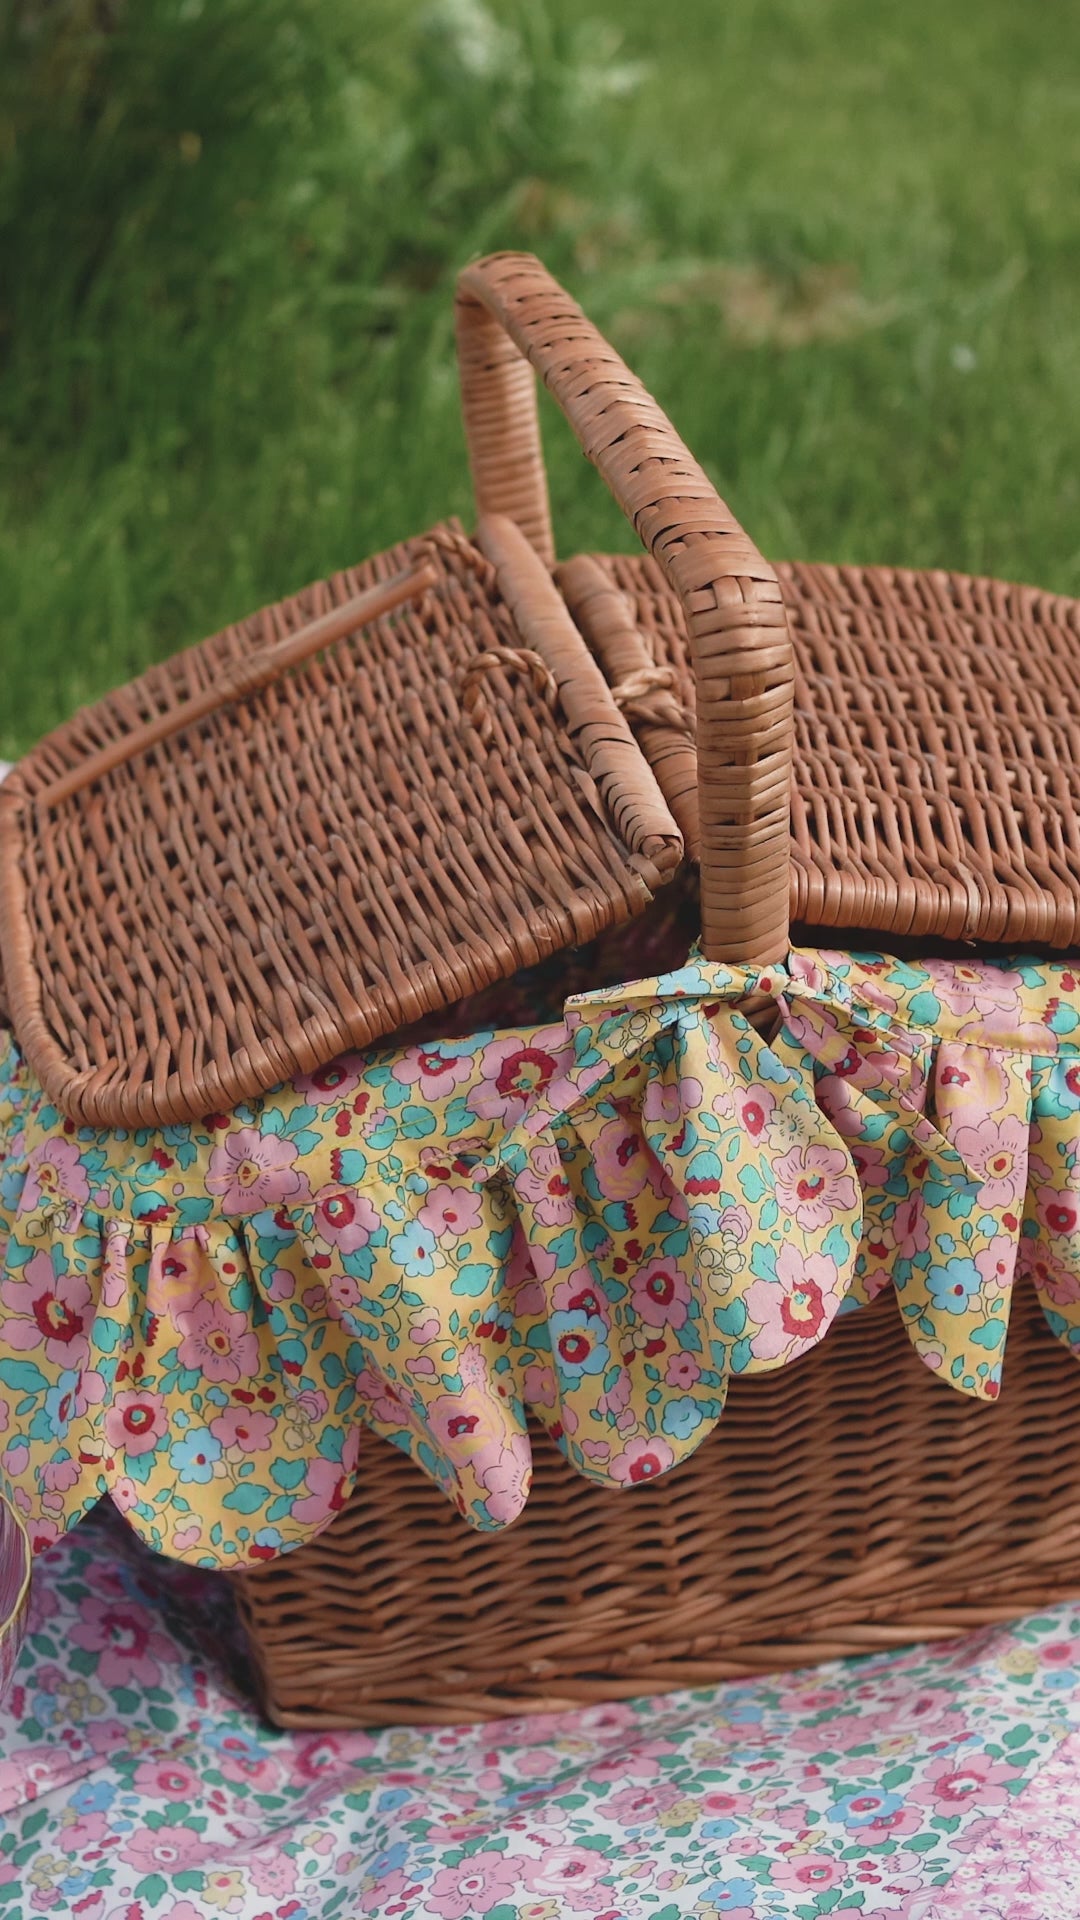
(179, 1277)
(1058, 1209)
(545, 1185)
(332, 1083)
(252, 1170)
(516, 1071)
(59, 1476)
(88, 1830)
(965, 1779)
(450, 1212)
(910, 1231)
(666, 1103)
(807, 1873)
(580, 1294)
(870, 1163)
(479, 1882)
(162, 1779)
(247, 1428)
(756, 1105)
(248, 1765)
(279, 1284)
(794, 1310)
(1058, 1283)
(165, 1850)
(570, 1875)
(682, 1371)
(54, 1172)
(996, 1263)
(135, 1422)
(525, 1293)
(538, 1387)
(506, 1481)
(381, 1401)
(641, 1459)
(272, 1872)
(470, 1428)
(343, 1218)
(616, 1398)
(660, 1294)
(627, 1762)
(1060, 1653)
(996, 1153)
(48, 1308)
(326, 1482)
(436, 1073)
(814, 1183)
(973, 988)
(218, 1343)
(319, 1756)
(114, 1264)
(311, 1403)
(639, 1806)
(424, 1327)
(342, 1296)
(121, 1635)
(622, 1158)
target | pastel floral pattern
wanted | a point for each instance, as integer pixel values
(137, 1782)
(599, 1220)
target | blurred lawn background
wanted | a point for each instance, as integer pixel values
(840, 242)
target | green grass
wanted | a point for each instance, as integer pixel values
(841, 243)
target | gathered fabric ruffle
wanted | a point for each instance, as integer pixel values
(598, 1221)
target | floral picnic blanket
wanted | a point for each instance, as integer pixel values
(600, 1220)
(136, 1783)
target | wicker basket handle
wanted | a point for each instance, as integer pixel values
(513, 317)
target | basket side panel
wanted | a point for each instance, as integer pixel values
(847, 1503)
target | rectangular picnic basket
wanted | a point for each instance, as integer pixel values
(446, 788)
(879, 753)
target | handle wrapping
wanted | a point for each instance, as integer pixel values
(513, 318)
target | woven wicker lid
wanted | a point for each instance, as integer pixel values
(403, 784)
(936, 777)
(400, 822)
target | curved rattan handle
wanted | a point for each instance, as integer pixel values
(513, 317)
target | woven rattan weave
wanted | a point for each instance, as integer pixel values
(936, 789)
(360, 843)
(844, 1504)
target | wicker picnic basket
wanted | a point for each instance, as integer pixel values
(484, 773)
(931, 754)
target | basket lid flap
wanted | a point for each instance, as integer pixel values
(271, 874)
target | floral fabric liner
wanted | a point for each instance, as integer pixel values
(137, 1783)
(600, 1220)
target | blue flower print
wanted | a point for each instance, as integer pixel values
(727, 1896)
(681, 1418)
(61, 1403)
(953, 1284)
(576, 1344)
(863, 1808)
(412, 1250)
(193, 1456)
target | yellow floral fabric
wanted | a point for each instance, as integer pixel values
(599, 1220)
